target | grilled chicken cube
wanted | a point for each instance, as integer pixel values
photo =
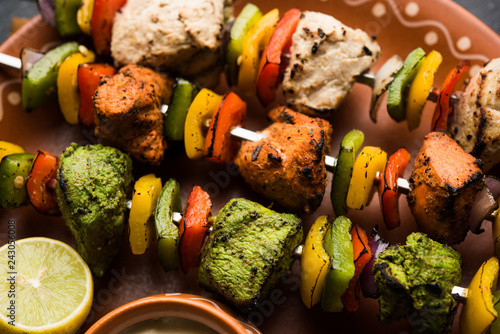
(416, 280)
(248, 252)
(476, 124)
(128, 113)
(444, 183)
(326, 57)
(182, 37)
(93, 185)
(288, 164)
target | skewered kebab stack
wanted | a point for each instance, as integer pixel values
(240, 220)
(283, 168)
(332, 43)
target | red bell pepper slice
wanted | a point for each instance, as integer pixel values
(41, 182)
(193, 227)
(102, 23)
(388, 187)
(362, 255)
(271, 66)
(219, 146)
(443, 109)
(89, 76)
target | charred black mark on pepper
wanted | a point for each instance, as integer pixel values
(210, 150)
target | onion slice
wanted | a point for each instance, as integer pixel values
(484, 203)
(383, 78)
(377, 245)
(28, 58)
(47, 8)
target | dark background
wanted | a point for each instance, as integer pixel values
(486, 10)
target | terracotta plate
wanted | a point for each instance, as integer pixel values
(400, 26)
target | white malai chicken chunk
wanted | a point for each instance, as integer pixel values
(476, 122)
(182, 37)
(325, 58)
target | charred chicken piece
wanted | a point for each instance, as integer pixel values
(248, 252)
(288, 164)
(326, 57)
(416, 280)
(128, 112)
(476, 125)
(181, 37)
(444, 183)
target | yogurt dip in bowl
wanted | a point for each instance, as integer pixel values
(204, 315)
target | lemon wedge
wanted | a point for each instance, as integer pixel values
(45, 287)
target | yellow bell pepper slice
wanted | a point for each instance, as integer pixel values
(314, 263)
(84, 16)
(255, 41)
(496, 233)
(67, 84)
(370, 161)
(420, 88)
(478, 312)
(7, 148)
(200, 112)
(141, 230)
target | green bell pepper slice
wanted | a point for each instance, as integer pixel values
(166, 231)
(182, 96)
(14, 169)
(66, 18)
(39, 84)
(495, 325)
(338, 244)
(342, 174)
(250, 14)
(396, 94)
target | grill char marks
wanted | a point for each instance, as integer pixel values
(476, 121)
(444, 184)
(128, 115)
(287, 165)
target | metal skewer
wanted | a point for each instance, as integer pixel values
(330, 162)
(10, 61)
(366, 78)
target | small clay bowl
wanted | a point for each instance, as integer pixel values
(200, 309)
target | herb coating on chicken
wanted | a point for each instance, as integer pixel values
(248, 252)
(416, 280)
(288, 165)
(93, 185)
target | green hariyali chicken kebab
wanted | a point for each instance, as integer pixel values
(416, 280)
(93, 185)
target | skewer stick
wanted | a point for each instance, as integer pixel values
(458, 293)
(330, 162)
(244, 134)
(10, 61)
(367, 78)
